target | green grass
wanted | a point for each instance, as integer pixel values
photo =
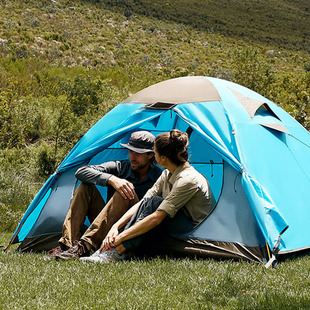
(29, 282)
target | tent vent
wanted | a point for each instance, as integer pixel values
(265, 108)
(254, 107)
(160, 106)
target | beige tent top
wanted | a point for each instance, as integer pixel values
(166, 94)
(179, 90)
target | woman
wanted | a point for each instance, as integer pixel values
(179, 200)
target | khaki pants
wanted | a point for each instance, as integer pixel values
(87, 201)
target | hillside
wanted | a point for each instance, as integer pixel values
(279, 22)
(64, 64)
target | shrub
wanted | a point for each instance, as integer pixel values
(20, 122)
(11, 24)
(46, 161)
(292, 93)
(252, 70)
(84, 94)
(54, 53)
(22, 51)
(32, 21)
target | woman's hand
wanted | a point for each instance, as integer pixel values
(108, 242)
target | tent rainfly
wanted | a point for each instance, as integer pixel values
(255, 156)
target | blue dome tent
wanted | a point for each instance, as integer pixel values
(254, 154)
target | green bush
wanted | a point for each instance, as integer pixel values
(46, 161)
(84, 94)
(292, 94)
(20, 122)
(32, 21)
(252, 69)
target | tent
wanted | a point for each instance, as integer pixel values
(255, 156)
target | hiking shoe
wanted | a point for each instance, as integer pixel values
(75, 252)
(54, 252)
(95, 257)
(104, 257)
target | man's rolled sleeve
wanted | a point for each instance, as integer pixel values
(180, 194)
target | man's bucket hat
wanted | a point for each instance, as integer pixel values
(140, 142)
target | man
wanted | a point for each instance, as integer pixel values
(127, 182)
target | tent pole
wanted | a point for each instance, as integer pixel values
(11, 242)
(268, 251)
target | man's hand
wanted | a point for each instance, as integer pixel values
(124, 187)
(108, 242)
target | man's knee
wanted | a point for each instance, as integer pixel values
(83, 187)
(87, 192)
(118, 198)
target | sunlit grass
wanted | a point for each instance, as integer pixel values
(29, 282)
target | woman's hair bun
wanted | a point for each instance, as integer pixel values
(179, 138)
(173, 144)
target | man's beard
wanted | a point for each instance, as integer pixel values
(139, 166)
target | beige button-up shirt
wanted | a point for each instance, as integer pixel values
(186, 187)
